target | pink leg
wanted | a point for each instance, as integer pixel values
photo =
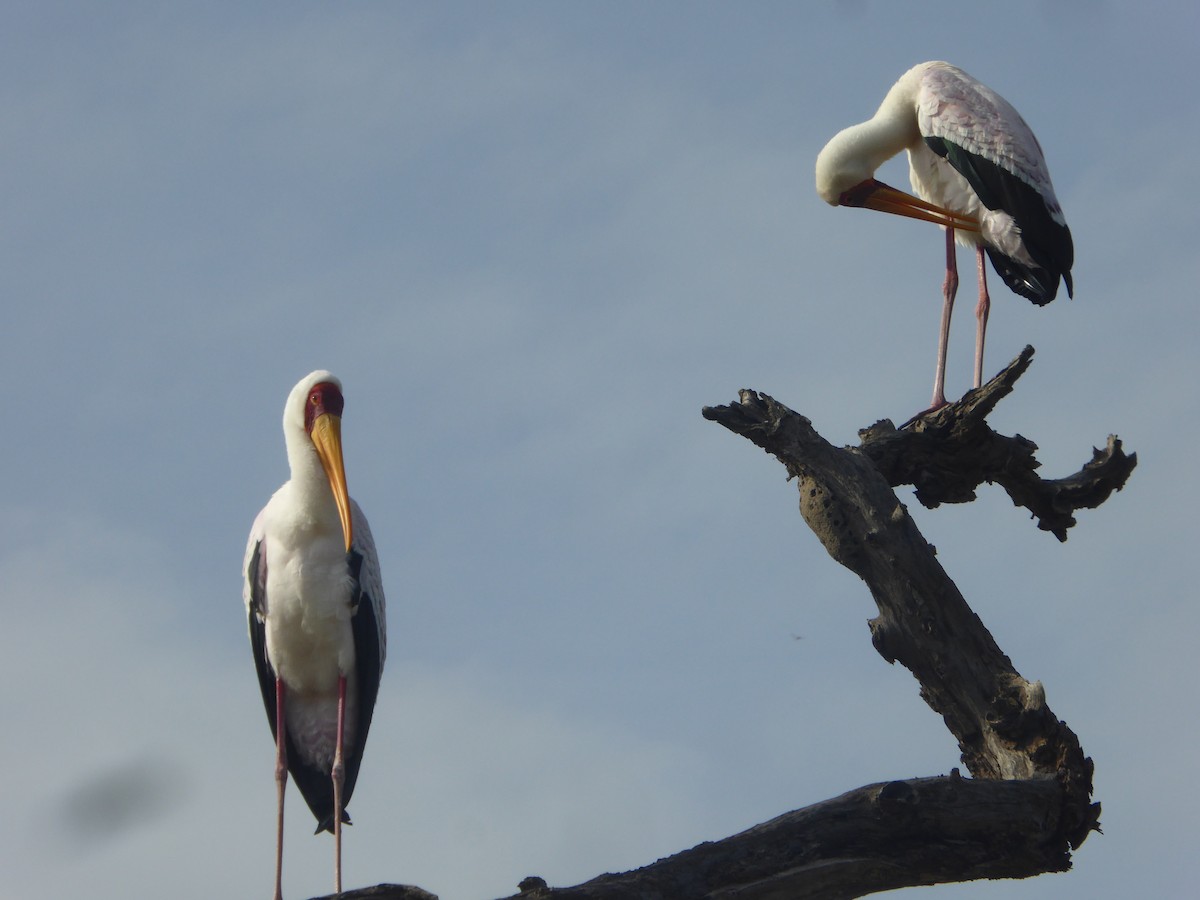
(281, 774)
(981, 314)
(339, 777)
(949, 289)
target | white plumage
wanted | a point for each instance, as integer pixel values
(316, 612)
(979, 172)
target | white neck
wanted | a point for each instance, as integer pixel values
(854, 153)
(309, 484)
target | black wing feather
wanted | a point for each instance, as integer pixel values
(367, 658)
(256, 577)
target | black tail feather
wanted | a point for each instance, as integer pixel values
(1032, 282)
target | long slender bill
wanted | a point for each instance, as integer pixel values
(885, 198)
(327, 438)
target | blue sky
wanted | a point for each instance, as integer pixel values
(534, 239)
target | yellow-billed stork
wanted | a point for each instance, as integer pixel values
(979, 173)
(314, 601)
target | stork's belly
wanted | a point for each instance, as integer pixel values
(312, 723)
(309, 635)
(308, 662)
(310, 647)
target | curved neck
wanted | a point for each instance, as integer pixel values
(854, 153)
(310, 484)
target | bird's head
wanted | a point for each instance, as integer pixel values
(847, 164)
(314, 410)
(839, 169)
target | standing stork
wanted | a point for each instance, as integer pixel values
(314, 601)
(979, 173)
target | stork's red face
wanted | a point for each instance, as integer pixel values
(323, 398)
(323, 422)
(873, 194)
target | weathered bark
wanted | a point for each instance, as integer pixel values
(879, 837)
(1029, 802)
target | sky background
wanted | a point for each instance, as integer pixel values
(534, 240)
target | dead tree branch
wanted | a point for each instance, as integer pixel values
(1029, 802)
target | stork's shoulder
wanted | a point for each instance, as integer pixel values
(951, 104)
(955, 107)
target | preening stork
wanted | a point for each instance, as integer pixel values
(314, 601)
(979, 173)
